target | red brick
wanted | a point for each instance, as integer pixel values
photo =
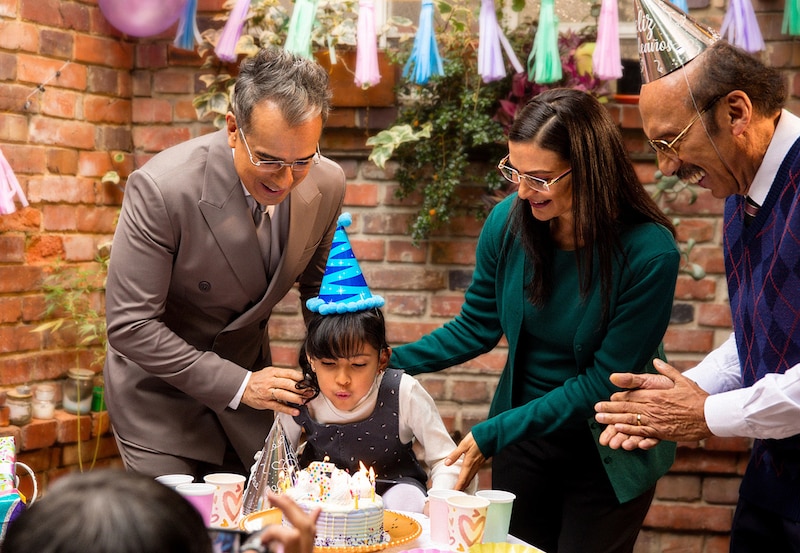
(469, 391)
(710, 258)
(436, 386)
(76, 134)
(102, 109)
(673, 517)
(286, 329)
(401, 332)
(365, 195)
(152, 110)
(683, 488)
(714, 314)
(446, 306)
(172, 81)
(95, 50)
(156, 139)
(36, 69)
(699, 230)
(689, 340)
(404, 251)
(368, 250)
(39, 434)
(687, 288)
(19, 36)
(405, 304)
(723, 491)
(453, 253)
(410, 278)
(72, 428)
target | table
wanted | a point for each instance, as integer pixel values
(424, 541)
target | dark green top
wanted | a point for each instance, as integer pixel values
(560, 356)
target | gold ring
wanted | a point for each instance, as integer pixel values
(638, 417)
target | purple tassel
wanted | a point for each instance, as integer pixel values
(490, 55)
(367, 69)
(606, 60)
(741, 26)
(229, 37)
(188, 34)
(9, 187)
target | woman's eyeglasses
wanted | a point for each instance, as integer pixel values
(535, 183)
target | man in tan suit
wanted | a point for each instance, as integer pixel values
(193, 276)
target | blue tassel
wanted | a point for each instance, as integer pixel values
(188, 35)
(425, 60)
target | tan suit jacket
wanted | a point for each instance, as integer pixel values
(188, 299)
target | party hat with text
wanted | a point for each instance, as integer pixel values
(667, 38)
(343, 289)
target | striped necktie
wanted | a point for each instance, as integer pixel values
(750, 210)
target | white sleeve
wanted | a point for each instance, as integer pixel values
(770, 408)
(420, 421)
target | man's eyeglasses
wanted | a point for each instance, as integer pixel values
(668, 148)
(274, 165)
(535, 183)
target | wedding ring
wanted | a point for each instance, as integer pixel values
(638, 417)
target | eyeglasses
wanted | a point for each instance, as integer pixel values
(274, 165)
(668, 148)
(535, 183)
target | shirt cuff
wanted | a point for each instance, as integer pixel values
(237, 399)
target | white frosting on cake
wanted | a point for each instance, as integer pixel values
(352, 513)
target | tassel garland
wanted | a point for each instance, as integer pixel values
(490, 55)
(544, 62)
(229, 37)
(424, 61)
(367, 70)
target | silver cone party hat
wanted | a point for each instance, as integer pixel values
(276, 466)
(667, 37)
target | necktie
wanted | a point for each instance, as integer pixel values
(750, 210)
(263, 231)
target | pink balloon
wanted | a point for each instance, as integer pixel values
(142, 17)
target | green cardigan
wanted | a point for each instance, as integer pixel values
(640, 307)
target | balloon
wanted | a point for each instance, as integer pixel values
(142, 17)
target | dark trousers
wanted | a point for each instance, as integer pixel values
(756, 530)
(565, 502)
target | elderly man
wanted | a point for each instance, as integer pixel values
(718, 122)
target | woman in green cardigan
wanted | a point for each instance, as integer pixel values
(577, 270)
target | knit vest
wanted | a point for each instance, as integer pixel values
(375, 441)
(762, 264)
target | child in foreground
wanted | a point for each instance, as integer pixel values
(364, 412)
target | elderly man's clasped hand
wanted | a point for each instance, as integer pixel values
(653, 407)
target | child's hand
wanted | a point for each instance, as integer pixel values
(473, 460)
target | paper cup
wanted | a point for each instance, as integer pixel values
(172, 480)
(201, 496)
(466, 521)
(437, 511)
(498, 516)
(228, 495)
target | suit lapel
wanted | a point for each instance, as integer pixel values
(225, 210)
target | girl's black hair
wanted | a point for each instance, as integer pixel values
(339, 336)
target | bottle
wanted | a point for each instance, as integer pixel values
(98, 397)
(77, 396)
(19, 404)
(44, 405)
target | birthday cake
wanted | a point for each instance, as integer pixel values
(352, 513)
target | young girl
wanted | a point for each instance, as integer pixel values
(362, 412)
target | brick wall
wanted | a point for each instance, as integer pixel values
(106, 93)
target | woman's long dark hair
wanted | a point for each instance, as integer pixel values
(606, 193)
(339, 336)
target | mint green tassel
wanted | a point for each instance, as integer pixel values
(791, 18)
(298, 37)
(544, 62)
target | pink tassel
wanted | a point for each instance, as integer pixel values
(367, 70)
(606, 61)
(9, 187)
(229, 37)
(740, 26)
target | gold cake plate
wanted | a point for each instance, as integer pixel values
(401, 529)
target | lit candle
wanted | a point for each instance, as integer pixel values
(372, 481)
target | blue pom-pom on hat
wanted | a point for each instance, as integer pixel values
(343, 289)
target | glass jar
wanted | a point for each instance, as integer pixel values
(19, 405)
(77, 393)
(44, 405)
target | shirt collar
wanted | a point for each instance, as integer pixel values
(786, 133)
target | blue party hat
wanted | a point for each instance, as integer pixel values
(344, 289)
